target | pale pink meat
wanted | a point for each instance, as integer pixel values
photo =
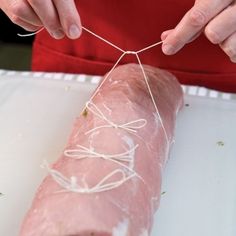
(128, 209)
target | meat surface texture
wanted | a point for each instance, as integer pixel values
(108, 180)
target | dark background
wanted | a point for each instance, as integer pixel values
(15, 52)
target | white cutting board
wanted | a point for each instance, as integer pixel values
(37, 112)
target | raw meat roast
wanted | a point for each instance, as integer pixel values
(108, 180)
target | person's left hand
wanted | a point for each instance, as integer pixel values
(216, 18)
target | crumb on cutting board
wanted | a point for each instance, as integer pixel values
(67, 88)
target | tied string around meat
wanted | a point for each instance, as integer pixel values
(136, 53)
(71, 184)
(124, 159)
(82, 152)
(131, 126)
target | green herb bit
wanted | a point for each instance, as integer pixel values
(220, 143)
(163, 193)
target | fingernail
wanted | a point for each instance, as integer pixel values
(168, 49)
(58, 34)
(74, 32)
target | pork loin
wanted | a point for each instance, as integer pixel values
(108, 180)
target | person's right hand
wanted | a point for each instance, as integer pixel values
(59, 17)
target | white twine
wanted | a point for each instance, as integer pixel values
(123, 54)
(153, 100)
(147, 84)
(82, 152)
(103, 39)
(71, 184)
(131, 126)
(143, 72)
(31, 34)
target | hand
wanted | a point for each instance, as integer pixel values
(59, 17)
(216, 18)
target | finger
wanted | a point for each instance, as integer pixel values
(25, 25)
(69, 18)
(229, 47)
(222, 26)
(25, 12)
(195, 36)
(22, 10)
(165, 34)
(48, 16)
(193, 22)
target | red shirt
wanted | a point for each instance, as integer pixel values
(133, 25)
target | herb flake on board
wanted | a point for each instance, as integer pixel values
(220, 143)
